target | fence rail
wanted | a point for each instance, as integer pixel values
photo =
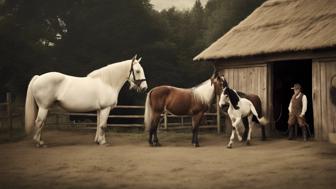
(166, 117)
(8, 115)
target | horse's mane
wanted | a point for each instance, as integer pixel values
(225, 84)
(107, 73)
(202, 92)
(233, 96)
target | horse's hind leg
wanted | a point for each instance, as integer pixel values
(39, 123)
(98, 128)
(263, 132)
(153, 130)
(246, 128)
(248, 141)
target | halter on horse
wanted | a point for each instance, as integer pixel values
(239, 108)
(179, 101)
(99, 91)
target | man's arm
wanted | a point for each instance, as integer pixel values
(290, 107)
(304, 105)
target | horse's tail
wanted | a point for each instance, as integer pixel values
(30, 108)
(148, 113)
(262, 120)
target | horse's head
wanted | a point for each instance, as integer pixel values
(224, 100)
(136, 78)
(229, 96)
(219, 82)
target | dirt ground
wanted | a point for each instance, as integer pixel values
(72, 160)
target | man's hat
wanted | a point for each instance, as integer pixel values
(296, 86)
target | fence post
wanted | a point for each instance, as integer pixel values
(9, 112)
(218, 115)
(165, 119)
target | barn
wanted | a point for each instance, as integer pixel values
(281, 43)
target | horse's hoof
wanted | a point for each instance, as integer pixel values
(156, 144)
(229, 146)
(107, 144)
(196, 145)
(248, 143)
(41, 145)
(102, 143)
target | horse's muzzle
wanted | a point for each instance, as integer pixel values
(224, 107)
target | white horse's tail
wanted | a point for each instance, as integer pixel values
(148, 113)
(262, 120)
(30, 108)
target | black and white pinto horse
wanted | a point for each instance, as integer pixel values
(239, 108)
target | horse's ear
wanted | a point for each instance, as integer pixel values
(139, 59)
(224, 82)
(134, 58)
(215, 73)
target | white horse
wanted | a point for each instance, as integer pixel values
(99, 91)
(239, 108)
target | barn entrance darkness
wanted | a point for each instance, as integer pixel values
(286, 73)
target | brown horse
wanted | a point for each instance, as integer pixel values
(178, 101)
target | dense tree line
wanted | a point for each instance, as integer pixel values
(77, 36)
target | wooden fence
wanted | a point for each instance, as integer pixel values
(8, 113)
(168, 121)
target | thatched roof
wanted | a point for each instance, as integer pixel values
(278, 26)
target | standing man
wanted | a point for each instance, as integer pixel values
(297, 109)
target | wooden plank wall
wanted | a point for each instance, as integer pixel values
(323, 70)
(248, 79)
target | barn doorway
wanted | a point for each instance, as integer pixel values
(286, 73)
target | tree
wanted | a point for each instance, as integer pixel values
(77, 36)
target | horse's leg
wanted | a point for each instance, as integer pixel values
(98, 128)
(248, 141)
(263, 132)
(150, 138)
(193, 136)
(39, 123)
(153, 130)
(103, 116)
(246, 127)
(234, 130)
(231, 138)
(237, 131)
(195, 122)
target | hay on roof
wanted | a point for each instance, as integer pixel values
(278, 26)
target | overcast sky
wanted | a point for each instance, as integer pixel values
(179, 4)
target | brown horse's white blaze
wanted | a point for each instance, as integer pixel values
(178, 101)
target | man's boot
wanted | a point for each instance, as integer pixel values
(290, 132)
(304, 133)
